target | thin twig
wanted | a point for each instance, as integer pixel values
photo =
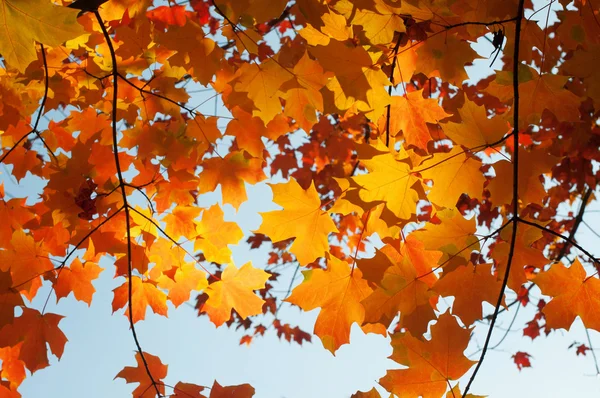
(587, 333)
(566, 238)
(578, 220)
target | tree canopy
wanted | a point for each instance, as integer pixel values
(398, 180)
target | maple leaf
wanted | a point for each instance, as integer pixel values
(470, 285)
(300, 218)
(379, 22)
(445, 55)
(9, 299)
(203, 61)
(390, 181)
(343, 289)
(77, 278)
(410, 115)
(135, 83)
(15, 214)
(537, 94)
(455, 392)
(241, 391)
(532, 329)
(524, 255)
(231, 172)
(35, 331)
(235, 291)
(26, 260)
(531, 168)
(262, 83)
(453, 173)
(180, 222)
(581, 349)
(24, 22)
(574, 294)
(451, 235)
(13, 368)
(521, 359)
(144, 293)
(431, 364)
(475, 128)
(215, 234)
(139, 374)
(357, 82)
(400, 290)
(180, 281)
(372, 393)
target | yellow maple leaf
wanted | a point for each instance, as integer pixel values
(23, 22)
(389, 181)
(475, 128)
(235, 291)
(453, 173)
(300, 218)
(215, 234)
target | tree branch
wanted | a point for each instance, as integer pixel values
(518, 18)
(389, 107)
(115, 75)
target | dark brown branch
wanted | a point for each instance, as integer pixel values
(43, 104)
(389, 107)
(578, 219)
(115, 75)
(515, 197)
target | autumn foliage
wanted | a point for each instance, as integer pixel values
(397, 180)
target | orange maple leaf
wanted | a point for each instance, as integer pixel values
(35, 331)
(342, 289)
(410, 115)
(77, 278)
(139, 374)
(144, 294)
(470, 285)
(26, 260)
(431, 364)
(231, 172)
(239, 391)
(574, 294)
(235, 291)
